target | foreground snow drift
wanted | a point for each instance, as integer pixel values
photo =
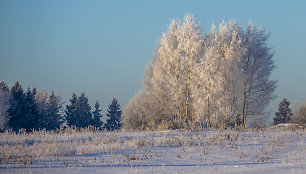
(154, 152)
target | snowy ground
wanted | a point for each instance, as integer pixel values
(270, 151)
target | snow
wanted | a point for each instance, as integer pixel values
(177, 151)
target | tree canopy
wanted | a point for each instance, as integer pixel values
(219, 79)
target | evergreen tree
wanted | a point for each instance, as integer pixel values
(15, 112)
(4, 87)
(53, 115)
(284, 113)
(70, 113)
(113, 121)
(96, 122)
(31, 117)
(41, 102)
(4, 105)
(83, 112)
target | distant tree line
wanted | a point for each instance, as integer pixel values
(35, 110)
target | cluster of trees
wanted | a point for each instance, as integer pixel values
(286, 115)
(220, 79)
(29, 109)
(34, 109)
(78, 113)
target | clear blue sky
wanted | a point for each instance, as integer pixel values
(102, 47)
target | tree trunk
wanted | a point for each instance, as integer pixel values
(245, 92)
(207, 114)
(244, 106)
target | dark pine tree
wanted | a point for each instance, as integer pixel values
(284, 113)
(70, 113)
(83, 112)
(16, 110)
(4, 87)
(96, 121)
(31, 117)
(53, 115)
(113, 121)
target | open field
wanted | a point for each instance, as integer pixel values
(177, 151)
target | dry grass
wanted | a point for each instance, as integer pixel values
(256, 146)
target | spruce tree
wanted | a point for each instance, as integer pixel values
(113, 121)
(31, 118)
(96, 121)
(70, 113)
(53, 116)
(4, 87)
(83, 112)
(41, 102)
(284, 113)
(15, 112)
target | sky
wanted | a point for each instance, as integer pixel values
(102, 47)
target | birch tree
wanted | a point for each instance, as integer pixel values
(221, 73)
(206, 81)
(136, 114)
(170, 73)
(162, 76)
(256, 69)
(299, 114)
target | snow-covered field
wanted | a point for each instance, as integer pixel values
(178, 151)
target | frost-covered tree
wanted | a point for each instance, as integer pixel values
(284, 113)
(53, 117)
(140, 113)
(32, 110)
(257, 66)
(134, 115)
(4, 105)
(49, 110)
(219, 75)
(114, 112)
(169, 77)
(16, 110)
(41, 102)
(218, 80)
(299, 115)
(97, 116)
(158, 77)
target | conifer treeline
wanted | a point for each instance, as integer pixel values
(33, 109)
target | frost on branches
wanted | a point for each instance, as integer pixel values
(220, 79)
(4, 105)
